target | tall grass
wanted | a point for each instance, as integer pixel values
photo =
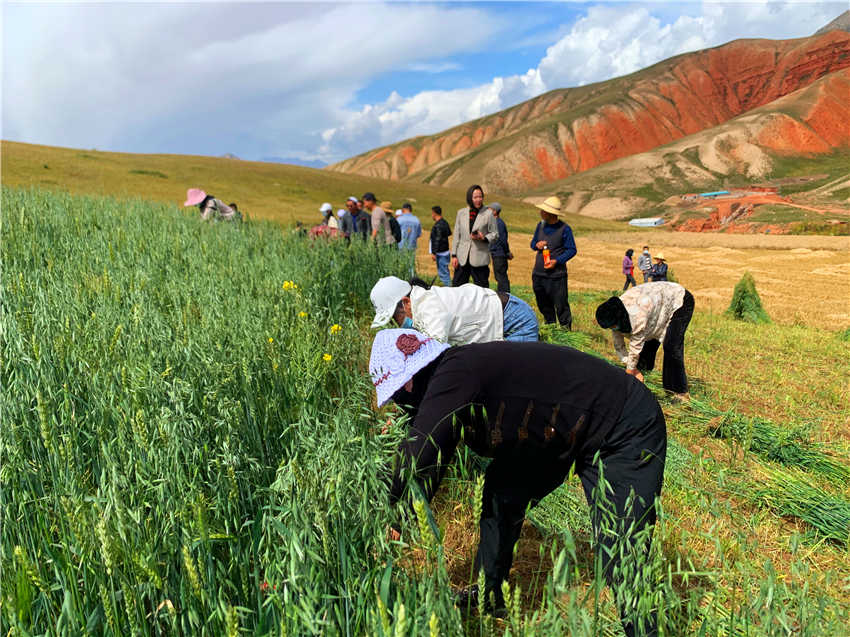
(189, 446)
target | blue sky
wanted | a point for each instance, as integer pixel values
(324, 81)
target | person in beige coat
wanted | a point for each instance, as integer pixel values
(475, 228)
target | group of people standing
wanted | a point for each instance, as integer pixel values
(651, 271)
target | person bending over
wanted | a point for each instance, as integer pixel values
(649, 315)
(539, 411)
(457, 316)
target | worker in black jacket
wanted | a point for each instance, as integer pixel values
(538, 410)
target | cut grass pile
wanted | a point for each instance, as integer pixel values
(746, 303)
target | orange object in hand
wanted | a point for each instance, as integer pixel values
(546, 254)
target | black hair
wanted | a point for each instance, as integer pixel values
(369, 196)
(469, 192)
(233, 205)
(438, 210)
(206, 200)
(613, 314)
(407, 206)
(629, 253)
(646, 247)
(420, 283)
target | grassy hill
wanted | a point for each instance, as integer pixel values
(277, 192)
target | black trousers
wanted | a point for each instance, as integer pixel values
(500, 273)
(552, 299)
(632, 457)
(673, 377)
(630, 280)
(480, 275)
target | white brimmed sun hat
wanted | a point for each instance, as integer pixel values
(385, 296)
(326, 207)
(397, 354)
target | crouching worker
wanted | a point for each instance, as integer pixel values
(651, 314)
(457, 316)
(538, 410)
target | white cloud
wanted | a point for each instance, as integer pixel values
(255, 79)
(608, 41)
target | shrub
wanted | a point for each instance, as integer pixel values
(746, 303)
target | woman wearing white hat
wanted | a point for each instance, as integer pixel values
(328, 218)
(457, 315)
(554, 243)
(582, 413)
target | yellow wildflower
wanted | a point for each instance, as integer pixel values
(271, 340)
(302, 314)
(336, 328)
(327, 357)
(289, 285)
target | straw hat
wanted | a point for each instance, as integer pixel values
(386, 206)
(659, 256)
(552, 205)
(194, 196)
(397, 355)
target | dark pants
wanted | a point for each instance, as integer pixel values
(630, 280)
(552, 299)
(500, 273)
(480, 275)
(673, 377)
(632, 458)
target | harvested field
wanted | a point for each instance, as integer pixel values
(801, 279)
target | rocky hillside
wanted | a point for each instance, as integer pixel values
(760, 144)
(568, 131)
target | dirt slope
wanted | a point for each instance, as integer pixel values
(812, 121)
(567, 131)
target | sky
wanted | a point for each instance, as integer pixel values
(323, 81)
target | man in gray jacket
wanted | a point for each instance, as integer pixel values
(475, 229)
(645, 263)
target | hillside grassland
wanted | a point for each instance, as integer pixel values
(275, 192)
(192, 447)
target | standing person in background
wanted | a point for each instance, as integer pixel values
(392, 218)
(362, 220)
(347, 220)
(500, 251)
(411, 229)
(645, 263)
(659, 270)
(628, 269)
(381, 233)
(438, 245)
(553, 240)
(475, 229)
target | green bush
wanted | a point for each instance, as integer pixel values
(746, 303)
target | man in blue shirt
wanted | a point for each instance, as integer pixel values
(500, 251)
(411, 229)
(549, 277)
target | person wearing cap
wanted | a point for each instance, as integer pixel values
(645, 263)
(438, 245)
(328, 218)
(549, 277)
(500, 251)
(649, 315)
(455, 315)
(211, 209)
(381, 233)
(475, 229)
(541, 412)
(659, 268)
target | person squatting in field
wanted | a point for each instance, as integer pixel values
(553, 240)
(539, 411)
(211, 209)
(649, 315)
(457, 315)
(475, 229)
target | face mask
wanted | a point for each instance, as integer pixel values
(407, 323)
